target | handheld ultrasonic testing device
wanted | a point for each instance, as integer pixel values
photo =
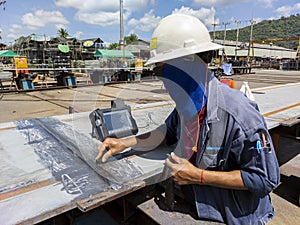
(116, 121)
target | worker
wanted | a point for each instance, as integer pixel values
(223, 155)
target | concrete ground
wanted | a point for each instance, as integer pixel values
(42, 103)
(32, 104)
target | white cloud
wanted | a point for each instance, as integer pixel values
(59, 26)
(14, 31)
(90, 5)
(266, 3)
(136, 5)
(78, 34)
(150, 21)
(104, 5)
(288, 10)
(206, 15)
(217, 2)
(258, 19)
(40, 18)
(147, 23)
(258, 3)
(101, 18)
(13, 36)
(104, 13)
(14, 27)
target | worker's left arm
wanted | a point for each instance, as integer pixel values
(259, 166)
(258, 173)
(184, 173)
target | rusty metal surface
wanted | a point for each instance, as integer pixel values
(182, 214)
(93, 201)
(25, 189)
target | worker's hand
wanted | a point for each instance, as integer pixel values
(182, 171)
(109, 147)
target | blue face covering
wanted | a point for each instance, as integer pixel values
(185, 81)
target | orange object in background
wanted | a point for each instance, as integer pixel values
(228, 82)
(21, 65)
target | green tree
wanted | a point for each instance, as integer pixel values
(131, 39)
(266, 29)
(3, 4)
(113, 46)
(63, 33)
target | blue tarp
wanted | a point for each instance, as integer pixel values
(227, 69)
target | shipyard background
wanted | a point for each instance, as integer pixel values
(67, 76)
(85, 97)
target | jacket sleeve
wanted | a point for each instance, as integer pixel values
(258, 163)
(172, 123)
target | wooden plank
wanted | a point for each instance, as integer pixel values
(281, 109)
(7, 128)
(101, 198)
(25, 189)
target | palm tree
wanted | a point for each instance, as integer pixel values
(63, 33)
(3, 4)
(131, 39)
(113, 46)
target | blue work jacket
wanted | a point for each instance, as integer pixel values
(230, 139)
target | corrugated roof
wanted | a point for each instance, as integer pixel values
(106, 54)
(260, 52)
(7, 53)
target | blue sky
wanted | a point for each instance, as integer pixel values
(100, 18)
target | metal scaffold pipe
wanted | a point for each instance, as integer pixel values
(250, 38)
(122, 42)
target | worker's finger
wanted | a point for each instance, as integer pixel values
(178, 163)
(176, 158)
(101, 150)
(170, 164)
(106, 156)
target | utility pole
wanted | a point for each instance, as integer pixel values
(250, 40)
(214, 31)
(122, 42)
(237, 37)
(214, 34)
(225, 25)
(44, 44)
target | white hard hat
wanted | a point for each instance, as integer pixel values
(179, 35)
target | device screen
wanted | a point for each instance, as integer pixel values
(117, 121)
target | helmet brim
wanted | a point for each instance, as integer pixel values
(181, 52)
